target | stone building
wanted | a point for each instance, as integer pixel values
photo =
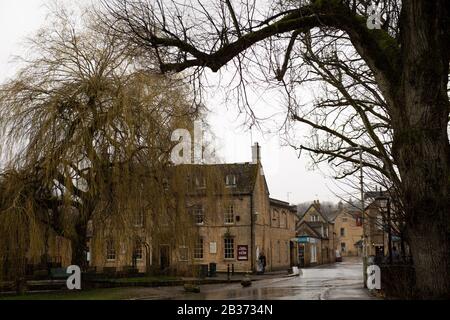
(231, 228)
(349, 232)
(316, 238)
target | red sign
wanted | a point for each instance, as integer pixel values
(242, 253)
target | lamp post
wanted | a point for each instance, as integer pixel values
(385, 202)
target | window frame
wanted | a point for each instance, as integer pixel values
(138, 250)
(227, 249)
(198, 211)
(199, 247)
(229, 214)
(111, 251)
(233, 182)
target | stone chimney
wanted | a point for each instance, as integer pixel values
(256, 154)
(317, 204)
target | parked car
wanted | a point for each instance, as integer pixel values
(338, 256)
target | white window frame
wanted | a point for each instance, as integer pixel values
(197, 212)
(229, 216)
(230, 180)
(200, 182)
(229, 252)
(138, 250)
(111, 251)
(199, 247)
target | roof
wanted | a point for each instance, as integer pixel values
(317, 208)
(245, 173)
(283, 204)
(310, 228)
(353, 213)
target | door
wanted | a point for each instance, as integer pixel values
(164, 257)
(301, 255)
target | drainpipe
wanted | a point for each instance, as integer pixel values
(252, 234)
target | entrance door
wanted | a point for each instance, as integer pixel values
(301, 255)
(164, 257)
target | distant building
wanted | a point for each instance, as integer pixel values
(315, 236)
(349, 232)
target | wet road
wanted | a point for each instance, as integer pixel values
(341, 281)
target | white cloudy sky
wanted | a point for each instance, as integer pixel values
(285, 173)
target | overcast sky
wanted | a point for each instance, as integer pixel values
(285, 173)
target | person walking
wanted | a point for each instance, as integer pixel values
(262, 262)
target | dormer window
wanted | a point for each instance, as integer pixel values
(200, 182)
(230, 180)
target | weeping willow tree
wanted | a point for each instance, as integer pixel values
(87, 129)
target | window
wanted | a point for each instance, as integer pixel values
(198, 214)
(110, 250)
(314, 218)
(359, 222)
(275, 218)
(343, 247)
(231, 180)
(229, 214)
(200, 182)
(380, 222)
(327, 234)
(313, 253)
(198, 249)
(229, 248)
(139, 219)
(283, 222)
(342, 232)
(137, 251)
(184, 253)
(344, 219)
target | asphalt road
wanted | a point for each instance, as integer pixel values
(340, 281)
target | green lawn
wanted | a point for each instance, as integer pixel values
(96, 294)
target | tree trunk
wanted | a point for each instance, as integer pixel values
(79, 246)
(421, 146)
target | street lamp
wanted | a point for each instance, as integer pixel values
(385, 202)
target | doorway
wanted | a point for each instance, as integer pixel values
(164, 257)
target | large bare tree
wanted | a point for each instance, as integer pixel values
(404, 64)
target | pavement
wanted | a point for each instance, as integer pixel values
(340, 281)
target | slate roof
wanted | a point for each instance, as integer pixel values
(245, 173)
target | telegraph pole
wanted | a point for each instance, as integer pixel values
(361, 165)
(364, 244)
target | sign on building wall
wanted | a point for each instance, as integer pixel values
(213, 247)
(305, 239)
(242, 253)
